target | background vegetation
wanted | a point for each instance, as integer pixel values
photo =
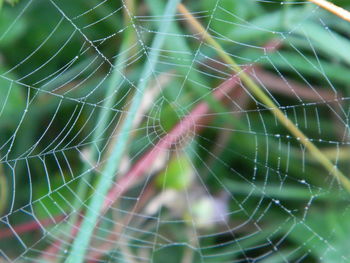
(235, 187)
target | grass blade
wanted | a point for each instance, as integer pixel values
(82, 240)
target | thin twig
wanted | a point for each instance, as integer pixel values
(259, 93)
(30, 226)
(337, 10)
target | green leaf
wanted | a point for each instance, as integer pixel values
(225, 16)
(331, 244)
(178, 175)
(11, 2)
(321, 37)
(50, 203)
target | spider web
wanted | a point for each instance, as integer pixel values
(253, 193)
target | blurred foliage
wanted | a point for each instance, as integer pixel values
(11, 2)
(260, 171)
(178, 174)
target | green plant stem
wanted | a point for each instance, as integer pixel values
(103, 118)
(104, 182)
(105, 113)
(260, 94)
(180, 44)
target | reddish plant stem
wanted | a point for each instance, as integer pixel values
(188, 124)
(194, 121)
(30, 226)
(191, 122)
(293, 88)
